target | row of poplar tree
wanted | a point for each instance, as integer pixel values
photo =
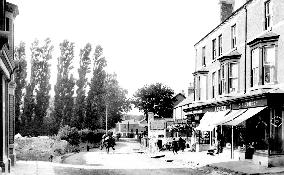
(79, 103)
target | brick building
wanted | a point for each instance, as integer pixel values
(239, 81)
(8, 12)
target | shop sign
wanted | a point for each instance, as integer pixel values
(157, 125)
(276, 121)
(220, 108)
(249, 104)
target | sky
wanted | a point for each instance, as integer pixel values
(144, 41)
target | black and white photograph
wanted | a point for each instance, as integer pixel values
(141, 87)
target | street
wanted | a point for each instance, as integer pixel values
(127, 158)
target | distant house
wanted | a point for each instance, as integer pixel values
(182, 103)
(8, 12)
(129, 128)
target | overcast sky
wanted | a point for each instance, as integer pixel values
(144, 41)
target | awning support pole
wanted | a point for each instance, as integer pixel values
(232, 144)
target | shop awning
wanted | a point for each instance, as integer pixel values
(246, 115)
(230, 116)
(210, 120)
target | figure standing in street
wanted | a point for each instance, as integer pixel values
(175, 146)
(181, 143)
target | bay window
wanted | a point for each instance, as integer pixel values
(255, 67)
(233, 77)
(269, 64)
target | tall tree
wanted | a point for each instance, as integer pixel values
(64, 88)
(96, 95)
(20, 80)
(156, 98)
(116, 100)
(43, 55)
(80, 107)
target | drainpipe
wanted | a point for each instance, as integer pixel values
(246, 36)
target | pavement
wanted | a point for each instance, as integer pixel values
(188, 159)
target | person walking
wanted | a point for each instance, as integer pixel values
(181, 143)
(175, 146)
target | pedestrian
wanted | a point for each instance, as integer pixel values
(175, 146)
(220, 140)
(181, 143)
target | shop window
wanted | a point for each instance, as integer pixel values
(276, 143)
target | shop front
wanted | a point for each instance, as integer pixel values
(251, 125)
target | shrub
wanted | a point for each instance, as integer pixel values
(71, 135)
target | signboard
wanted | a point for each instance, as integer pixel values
(250, 104)
(157, 125)
(11, 118)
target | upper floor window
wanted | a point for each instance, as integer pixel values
(269, 64)
(233, 77)
(267, 58)
(214, 54)
(7, 24)
(222, 80)
(219, 45)
(203, 56)
(255, 66)
(233, 36)
(201, 87)
(213, 84)
(267, 11)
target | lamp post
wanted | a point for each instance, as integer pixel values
(106, 117)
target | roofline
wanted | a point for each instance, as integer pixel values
(233, 14)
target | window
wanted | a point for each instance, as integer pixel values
(255, 66)
(222, 80)
(7, 24)
(214, 54)
(213, 84)
(233, 36)
(233, 77)
(219, 45)
(268, 67)
(201, 87)
(267, 11)
(203, 56)
(269, 64)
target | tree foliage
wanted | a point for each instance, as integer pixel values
(36, 100)
(156, 98)
(96, 95)
(84, 69)
(64, 88)
(20, 80)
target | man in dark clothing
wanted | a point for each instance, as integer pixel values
(181, 143)
(175, 146)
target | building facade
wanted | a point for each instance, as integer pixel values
(8, 12)
(239, 81)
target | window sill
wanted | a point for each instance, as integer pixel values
(262, 88)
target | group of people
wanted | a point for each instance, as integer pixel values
(108, 141)
(178, 145)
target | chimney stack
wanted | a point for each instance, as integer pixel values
(226, 9)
